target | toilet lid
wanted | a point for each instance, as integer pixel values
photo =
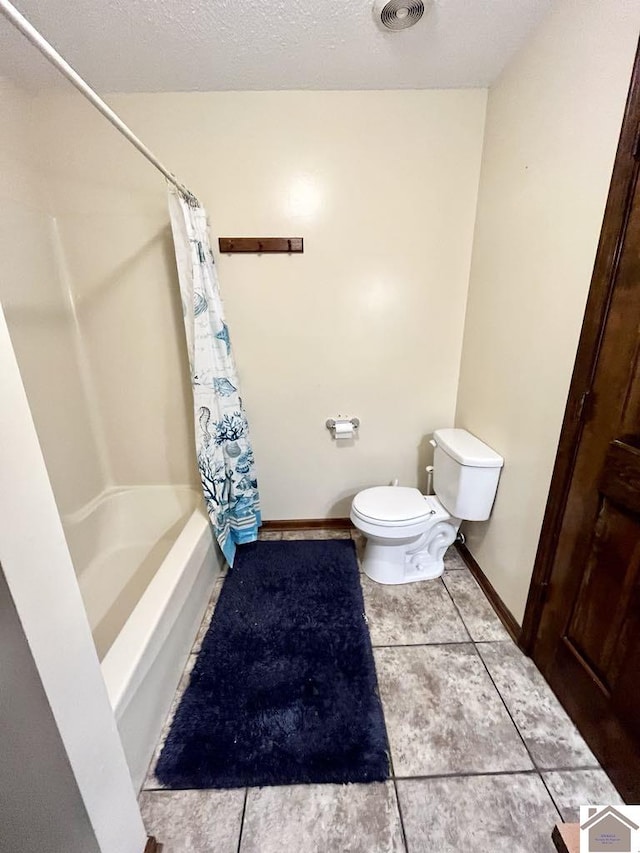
(391, 504)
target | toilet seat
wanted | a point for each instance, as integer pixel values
(397, 506)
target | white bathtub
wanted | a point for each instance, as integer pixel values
(146, 564)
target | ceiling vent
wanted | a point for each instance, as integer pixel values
(398, 14)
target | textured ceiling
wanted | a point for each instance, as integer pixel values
(186, 45)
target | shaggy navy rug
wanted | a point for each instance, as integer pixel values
(284, 690)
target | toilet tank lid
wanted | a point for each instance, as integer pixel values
(467, 449)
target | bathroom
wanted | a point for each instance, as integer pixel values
(450, 208)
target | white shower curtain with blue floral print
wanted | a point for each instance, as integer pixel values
(223, 448)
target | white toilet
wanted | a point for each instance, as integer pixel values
(408, 532)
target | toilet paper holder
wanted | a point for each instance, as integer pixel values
(331, 424)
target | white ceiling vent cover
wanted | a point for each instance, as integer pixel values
(398, 14)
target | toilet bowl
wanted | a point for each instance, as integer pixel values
(407, 532)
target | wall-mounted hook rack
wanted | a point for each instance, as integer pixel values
(261, 245)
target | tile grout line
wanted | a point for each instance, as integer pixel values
(458, 611)
(393, 780)
(534, 771)
(402, 829)
(244, 809)
(418, 645)
(581, 768)
(392, 773)
(544, 782)
(468, 775)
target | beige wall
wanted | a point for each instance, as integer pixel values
(553, 121)
(368, 322)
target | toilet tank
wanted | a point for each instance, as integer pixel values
(465, 474)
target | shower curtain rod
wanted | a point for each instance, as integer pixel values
(49, 52)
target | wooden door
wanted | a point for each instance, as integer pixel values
(583, 616)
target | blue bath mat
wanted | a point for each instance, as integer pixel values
(284, 690)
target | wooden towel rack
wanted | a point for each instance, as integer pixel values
(260, 245)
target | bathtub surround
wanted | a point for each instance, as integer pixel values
(223, 447)
(39, 314)
(93, 301)
(92, 265)
(284, 688)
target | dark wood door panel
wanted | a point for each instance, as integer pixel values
(620, 478)
(602, 603)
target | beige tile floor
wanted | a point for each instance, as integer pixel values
(483, 756)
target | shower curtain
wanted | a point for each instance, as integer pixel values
(223, 448)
